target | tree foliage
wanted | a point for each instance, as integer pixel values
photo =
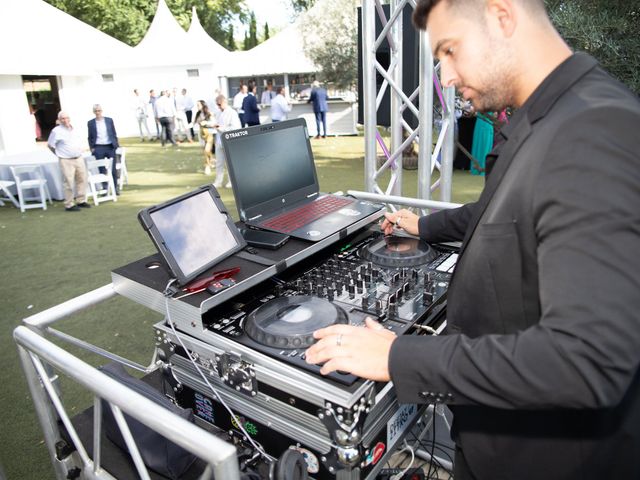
(266, 32)
(300, 6)
(253, 31)
(329, 37)
(606, 29)
(129, 20)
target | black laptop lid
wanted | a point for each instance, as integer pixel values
(271, 166)
(192, 232)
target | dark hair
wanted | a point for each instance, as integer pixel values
(280, 90)
(424, 7)
(421, 13)
(205, 109)
(251, 85)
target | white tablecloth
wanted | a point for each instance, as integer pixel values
(47, 160)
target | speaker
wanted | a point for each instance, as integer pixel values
(410, 66)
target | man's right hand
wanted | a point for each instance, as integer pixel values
(404, 219)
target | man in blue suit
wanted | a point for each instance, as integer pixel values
(251, 107)
(319, 99)
(103, 140)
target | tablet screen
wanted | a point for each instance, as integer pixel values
(194, 232)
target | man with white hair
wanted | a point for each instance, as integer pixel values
(320, 107)
(65, 142)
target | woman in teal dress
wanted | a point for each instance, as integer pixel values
(482, 143)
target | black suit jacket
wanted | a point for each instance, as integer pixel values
(93, 134)
(540, 364)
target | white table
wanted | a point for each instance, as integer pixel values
(43, 157)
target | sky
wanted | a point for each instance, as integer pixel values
(277, 13)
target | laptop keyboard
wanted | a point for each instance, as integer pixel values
(306, 214)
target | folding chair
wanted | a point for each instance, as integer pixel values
(123, 174)
(96, 179)
(30, 178)
(5, 193)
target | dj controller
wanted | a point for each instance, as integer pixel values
(400, 282)
(251, 348)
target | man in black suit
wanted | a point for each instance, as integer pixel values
(540, 364)
(103, 140)
(250, 107)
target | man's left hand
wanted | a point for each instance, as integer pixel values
(362, 351)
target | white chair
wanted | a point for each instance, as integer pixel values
(123, 174)
(30, 178)
(5, 193)
(96, 179)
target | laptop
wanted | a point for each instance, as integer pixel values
(275, 183)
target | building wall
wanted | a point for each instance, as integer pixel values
(17, 129)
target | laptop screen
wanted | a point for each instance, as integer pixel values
(271, 163)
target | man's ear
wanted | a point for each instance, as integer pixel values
(502, 16)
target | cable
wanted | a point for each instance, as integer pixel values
(215, 392)
(398, 476)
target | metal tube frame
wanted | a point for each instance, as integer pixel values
(429, 158)
(41, 359)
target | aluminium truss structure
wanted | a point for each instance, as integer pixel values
(430, 157)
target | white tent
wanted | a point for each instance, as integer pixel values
(282, 53)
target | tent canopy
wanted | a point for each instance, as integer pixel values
(39, 39)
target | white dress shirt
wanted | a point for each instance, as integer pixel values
(279, 108)
(66, 142)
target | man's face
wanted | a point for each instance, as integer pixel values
(474, 56)
(65, 121)
(98, 113)
(245, 89)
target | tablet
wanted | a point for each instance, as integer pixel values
(192, 232)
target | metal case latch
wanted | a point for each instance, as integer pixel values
(237, 374)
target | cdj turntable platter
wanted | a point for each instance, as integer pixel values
(289, 322)
(392, 251)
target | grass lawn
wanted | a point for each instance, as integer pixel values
(51, 256)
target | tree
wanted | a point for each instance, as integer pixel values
(129, 20)
(266, 32)
(253, 31)
(231, 42)
(245, 45)
(606, 29)
(330, 40)
(300, 6)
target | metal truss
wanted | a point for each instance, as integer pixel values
(430, 156)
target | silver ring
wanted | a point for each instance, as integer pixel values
(339, 340)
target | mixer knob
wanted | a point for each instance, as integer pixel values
(352, 290)
(367, 277)
(427, 298)
(406, 288)
(319, 290)
(404, 272)
(440, 288)
(330, 294)
(379, 305)
(369, 267)
(398, 294)
(365, 302)
(395, 277)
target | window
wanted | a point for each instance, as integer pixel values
(107, 77)
(193, 72)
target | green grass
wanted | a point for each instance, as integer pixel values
(51, 256)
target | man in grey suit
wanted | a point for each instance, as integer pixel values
(540, 364)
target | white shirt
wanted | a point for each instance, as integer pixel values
(66, 142)
(237, 101)
(279, 108)
(227, 120)
(267, 97)
(102, 137)
(165, 107)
